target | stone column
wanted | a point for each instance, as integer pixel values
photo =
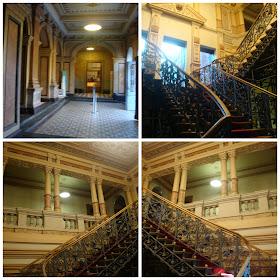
(195, 62)
(183, 185)
(119, 76)
(34, 89)
(176, 182)
(101, 197)
(128, 195)
(154, 27)
(94, 199)
(241, 27)
(224, 181)
(56, 196)
(146, 183)
(48, 189)
(72, 76)
(233, 172)
(54, 85)
(134, 193)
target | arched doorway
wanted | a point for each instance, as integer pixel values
(130, 99)
(119, 204)
(44, 63)
(94, 67)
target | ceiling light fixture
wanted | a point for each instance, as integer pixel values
(90, 49)
(92, 27)
(65, 194)
(215, 183)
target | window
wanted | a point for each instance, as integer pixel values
(144, 35)
(207, 55)
(175, 50)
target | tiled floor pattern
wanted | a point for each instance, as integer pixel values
(76, 119)
(89, 95)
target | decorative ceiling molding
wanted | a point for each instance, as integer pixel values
(180, 10)
(115, 18)
(166, 167)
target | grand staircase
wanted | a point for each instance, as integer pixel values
(224, 99)
(108, 248)
(192, 246)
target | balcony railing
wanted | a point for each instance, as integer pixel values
(17, 217)
(264, 201)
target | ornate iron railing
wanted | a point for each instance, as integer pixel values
(258, 104)
(233, 63)
(203, 111)
(34, 268)
(222, 247)
(78, 256)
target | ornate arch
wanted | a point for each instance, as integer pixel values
(93, 42)
(49, 33)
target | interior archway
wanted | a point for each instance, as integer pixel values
(94, 68)
(44, 61)
(119, 204)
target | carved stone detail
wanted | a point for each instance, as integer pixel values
(223, 156)
(48, 169)
(232, 153)
(56, 171)
(177, 168)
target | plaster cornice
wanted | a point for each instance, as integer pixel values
(186, 12)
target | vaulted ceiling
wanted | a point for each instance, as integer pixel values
(115, 18)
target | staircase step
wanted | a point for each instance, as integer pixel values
(248, 133)
(242, 125)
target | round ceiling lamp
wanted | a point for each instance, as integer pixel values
(90, 49)
(65, 194)
(215, 183)
(92, 27)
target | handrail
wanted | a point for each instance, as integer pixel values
(224, 110)
(235, 55)
(189, 213)
(215, 226)
(86, 234)
(239, 79)
(76, 237)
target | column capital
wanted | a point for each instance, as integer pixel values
(56, 171)
(99, 181)
(177, 168)
(185, 166)
(223, 155)
(48, 169)
(5, 160)
(92, 179)
(232, 153)
(127, 188)
(148, 178)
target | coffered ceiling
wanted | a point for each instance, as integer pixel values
(115, 18)
(120, 155)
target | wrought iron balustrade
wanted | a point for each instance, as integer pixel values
(258, 104)
(222, 247)
(35, 268)
(83, 254)
(233, 64)
(195, 105)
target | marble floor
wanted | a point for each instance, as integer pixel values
(76, 120)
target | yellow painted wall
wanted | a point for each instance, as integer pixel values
(246, 185)
(102, 55)
(34, 199)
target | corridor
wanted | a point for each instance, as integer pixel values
(76, 120)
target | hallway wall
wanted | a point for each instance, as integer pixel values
(103, 56)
